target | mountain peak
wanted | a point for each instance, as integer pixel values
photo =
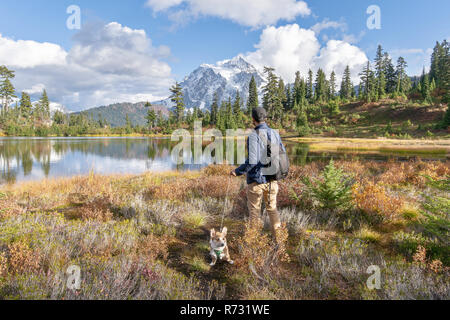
(225, 77)
(237, 62)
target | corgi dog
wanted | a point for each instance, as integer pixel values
(219, 248)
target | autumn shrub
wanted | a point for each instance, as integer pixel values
(373, 199)
(22, 258)
(215, 187)
(154, 247)
(3, 264)
(98, 209)
(217, 170)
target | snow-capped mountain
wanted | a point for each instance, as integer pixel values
(225, 77)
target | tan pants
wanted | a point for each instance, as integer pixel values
(255, 194)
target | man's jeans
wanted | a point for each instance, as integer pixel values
(255, 193)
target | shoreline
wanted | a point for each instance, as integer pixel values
(440, 146)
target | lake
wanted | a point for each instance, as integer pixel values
(23, 159)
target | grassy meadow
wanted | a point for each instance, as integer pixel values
(146, 236)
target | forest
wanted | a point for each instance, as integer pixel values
(312, 105)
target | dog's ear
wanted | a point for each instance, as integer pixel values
(224, 231)
(212, 233)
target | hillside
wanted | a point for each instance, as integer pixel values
(116, 113)
(386, 118)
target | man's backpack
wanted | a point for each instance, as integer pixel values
(278, 159)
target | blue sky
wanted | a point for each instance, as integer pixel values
(202, 33)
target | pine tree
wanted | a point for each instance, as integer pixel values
(309, 86)
(391, 83)
(237, 105)
(333, 85)
(7, 92)
(425, 87)
(271, 99)
(283, 97)
(177, 98)
(346, 85)
(128, 125)
(403, 82)
(44, 106)
(320, 91)
(380, 71)
(237, 110)
(302, 124)
(151, 117)
(252, 102)
(25, 106)
(367, 82)
(215, 109)
(289, 98)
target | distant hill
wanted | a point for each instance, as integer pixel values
(116, 113)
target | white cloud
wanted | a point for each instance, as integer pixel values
(107, 63)
(329, 24)
(252, 13)
(290, 48)
(28, 54)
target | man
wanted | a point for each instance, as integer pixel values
(260, 180)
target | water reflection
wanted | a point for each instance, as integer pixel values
(35, 158)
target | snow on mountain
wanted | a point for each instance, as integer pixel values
(225, 77)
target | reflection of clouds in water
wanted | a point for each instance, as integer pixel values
(35, 159)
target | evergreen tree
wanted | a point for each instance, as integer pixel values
(237, 105)
(283, 96)
(271, 99)
(252, 102)
(403, 81)
(346, 85)
(25, 106)
(391, 83)
(177, 98)
(380, 71)
(367, 82)
(128, 125)
(7, 92)
(289, 98)
(320, 91)
(302, 124)
(44, 106)
(333, 85)
(215, 109)
(425, 87)
(438, 67)
(151, 117)
(309, 86)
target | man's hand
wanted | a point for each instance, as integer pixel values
(233, 173)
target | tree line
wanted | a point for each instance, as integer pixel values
(311, 95)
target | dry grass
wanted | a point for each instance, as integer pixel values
(145, 237)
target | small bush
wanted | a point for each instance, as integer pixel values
(333, 190)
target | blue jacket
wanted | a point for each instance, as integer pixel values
(256, 149)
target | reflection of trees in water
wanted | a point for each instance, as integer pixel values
(22, 154)
(298, 153)
(16, 154)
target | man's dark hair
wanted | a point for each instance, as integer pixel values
(259, 114)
